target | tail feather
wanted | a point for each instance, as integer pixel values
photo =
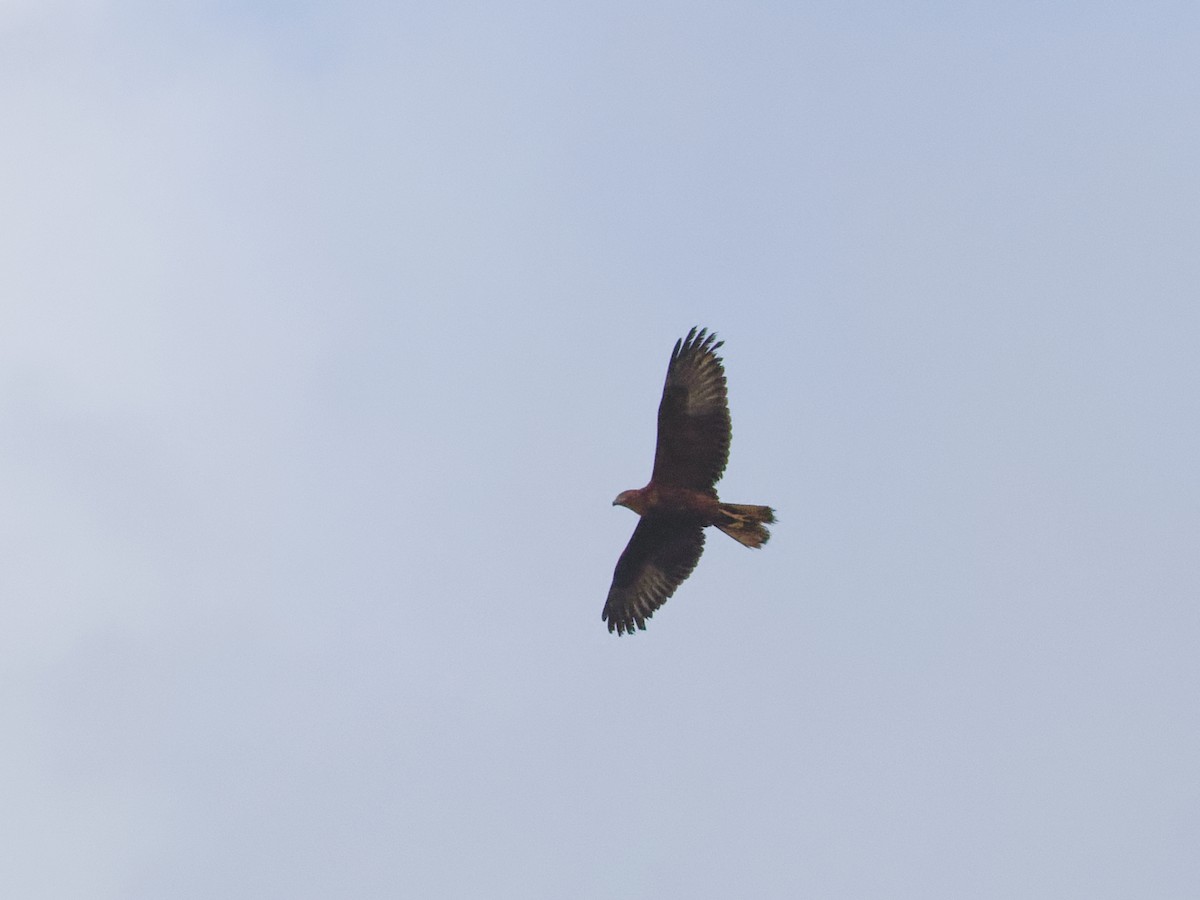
(746, 524)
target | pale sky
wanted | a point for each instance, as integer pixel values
(329, 331)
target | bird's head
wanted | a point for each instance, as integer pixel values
(630, 500)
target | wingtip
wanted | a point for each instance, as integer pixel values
(700, 338)
(624, 626)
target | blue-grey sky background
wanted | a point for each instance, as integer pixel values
(329, 331)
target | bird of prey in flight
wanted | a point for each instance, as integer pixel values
(681, 498)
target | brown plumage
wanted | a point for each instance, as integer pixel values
(681, 498)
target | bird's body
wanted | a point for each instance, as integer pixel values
(654, 498)
(681, 500)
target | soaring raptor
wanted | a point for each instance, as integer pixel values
(681, 498)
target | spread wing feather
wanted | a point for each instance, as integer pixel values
(693, 417)
(661, 554)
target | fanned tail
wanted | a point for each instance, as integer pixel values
(746, 524)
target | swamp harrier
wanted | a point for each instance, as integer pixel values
(681, 498)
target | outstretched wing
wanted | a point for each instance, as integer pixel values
(661, 554)
(693, 417)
